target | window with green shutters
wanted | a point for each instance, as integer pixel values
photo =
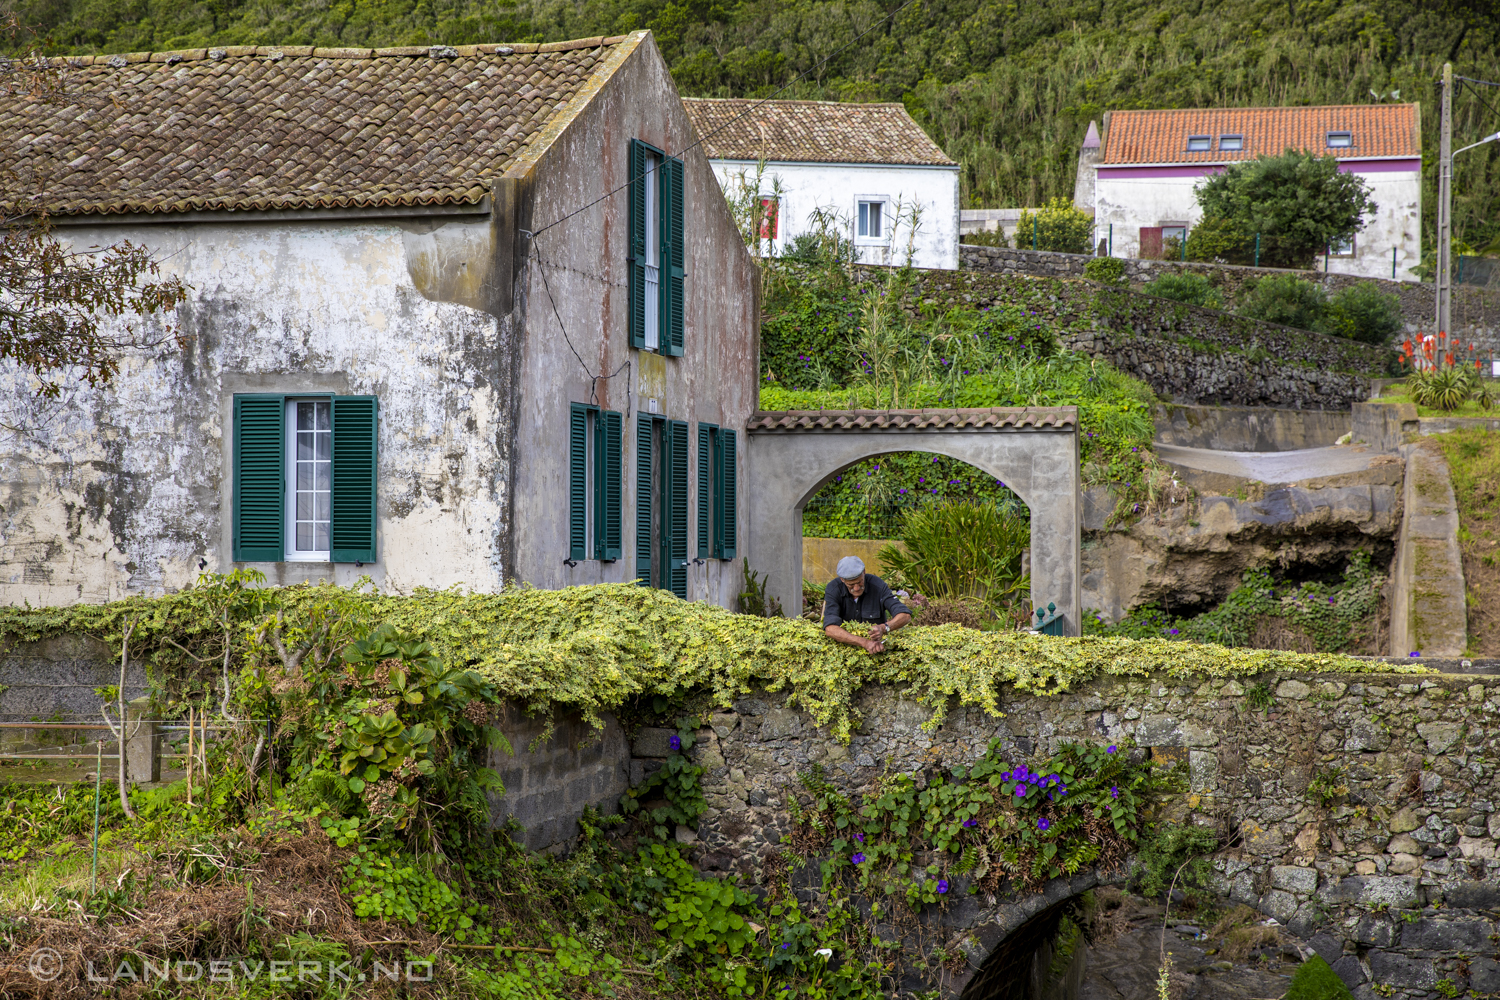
(304, 478)
(661, 503)
(717, 481)
(657, 249)
(593, 483)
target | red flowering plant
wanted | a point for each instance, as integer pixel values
(1445, 374)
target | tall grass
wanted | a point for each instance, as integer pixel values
(962, 550)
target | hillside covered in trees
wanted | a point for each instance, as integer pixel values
(1007, 88)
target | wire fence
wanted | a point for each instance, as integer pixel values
(876, 519)
(1481, 271)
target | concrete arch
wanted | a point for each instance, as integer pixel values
(1034, 451)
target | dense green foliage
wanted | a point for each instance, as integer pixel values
(1363, 312)
(1056, 226)
(961, 550)
(1006, 89)
(1316, 980)
(1194, 289)
(1299, 202)
(1359, 312)
(1285, 299)
(1326, 617)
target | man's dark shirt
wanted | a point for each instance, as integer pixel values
(874, 605)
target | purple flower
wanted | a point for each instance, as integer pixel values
(858, 858)
(1110, 750)
(903, 491)
(1414, 653)
(1005, 776)
(1043, 823)
(1172, 631)
(675, 742)
(785, 945)
(942, 886)
(1020, 790)
(1114, 791)
(859, 837)
(971, 822)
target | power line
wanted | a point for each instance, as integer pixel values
(594, 380)
(1470, 79)
(826, 59)
(1481, 100)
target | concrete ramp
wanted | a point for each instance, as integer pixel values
(1269, 466)
(1428, 611)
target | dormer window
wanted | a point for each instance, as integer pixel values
(1231, 143)
(1199, 143)
(1340, 140)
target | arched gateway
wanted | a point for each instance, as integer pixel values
(1034, 451)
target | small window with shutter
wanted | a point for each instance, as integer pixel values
(661, 503)
(657, 266)
(304, 479)
(593, 483)
(718, 478)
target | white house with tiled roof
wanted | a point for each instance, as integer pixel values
(458, 316)
(870, 166)
(1140, 180)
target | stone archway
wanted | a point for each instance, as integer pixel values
(1034, 451)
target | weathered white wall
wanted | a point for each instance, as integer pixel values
(584, 260)
(126, 489)
(1130, 203)
(805, 187)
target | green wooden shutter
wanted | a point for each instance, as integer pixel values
(728, 507)
(705, 490)
(259, 479)
(355, 432)
(610, 421)
(643, 498)
(577, 481)
(677, 507)
(672, 256)
(637, 246)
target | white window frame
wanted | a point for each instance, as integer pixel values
(1206, 140)
(654, 262)
(1238, 140)
(292, 553)
(884, 201)
(1346, 136)
(1173, 230)
(1335, 250)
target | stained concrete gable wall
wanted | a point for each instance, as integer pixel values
(125, 488)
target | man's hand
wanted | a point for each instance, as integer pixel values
(840, 634)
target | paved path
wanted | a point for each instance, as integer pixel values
(1269, 466)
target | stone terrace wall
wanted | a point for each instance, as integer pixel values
(1476, 311)
(1185, 353)
(1396, 882)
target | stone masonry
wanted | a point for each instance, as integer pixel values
(1358, 810)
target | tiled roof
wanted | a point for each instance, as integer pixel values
(282, 127)
(811, 132)
(1033, 417)
(1376, 130)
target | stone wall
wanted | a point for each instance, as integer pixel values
(1239, 428)
(1396, 880)
(54, 680)
(1475, 311)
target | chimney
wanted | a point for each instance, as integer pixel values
(1088, 165)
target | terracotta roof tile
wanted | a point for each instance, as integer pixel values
(1038, 417)
(283, 127)
(811, 132)
(1376, 130)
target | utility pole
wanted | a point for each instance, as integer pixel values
(1444, 277)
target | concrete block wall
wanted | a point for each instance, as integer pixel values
(54, 680)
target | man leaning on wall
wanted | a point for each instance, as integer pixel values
(857, 596)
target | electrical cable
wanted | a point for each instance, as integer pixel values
(1481, 100)
(594, 380)
(1470, 79)
(610, 194)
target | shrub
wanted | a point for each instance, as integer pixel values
(1221, 241)
(1363, 312)
(1286, 299)
(1108, 270)
(1057, 226)
(1316, 980)
(962, 550)
(986, 238)
(1194, 289)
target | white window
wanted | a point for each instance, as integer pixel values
(871, 223)
(1340, 140)
(1231, 143)
(309, 471)
(653, 254)
(1199, 143)
(1343, 248)
(1171, 232)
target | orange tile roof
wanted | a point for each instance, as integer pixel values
(811, 132)
(1377, 130)
(282, 127)
(782, 421)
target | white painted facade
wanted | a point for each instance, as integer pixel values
(1127, 199)
(803, 188)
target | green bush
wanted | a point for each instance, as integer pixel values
(987, 238)
(1363, 312)
(1194, 289)
(1219, 240)
(1286, 299)
(962, 550)
(1108, 270)
(1316, 980)
(1056, 226)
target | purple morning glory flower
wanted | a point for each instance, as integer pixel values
(859, 837)
(1114, 791)
(971, 822)
(1005, 776)
(1414, 653)
(1172, 631)
(942, 886)
(1043, 823)
(1020, 790)
(1110, 750)
(675, 742)
(785, 945)
(858, 858)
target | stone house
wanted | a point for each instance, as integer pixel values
(457, 316)
(865, 165)
(1140, 176)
